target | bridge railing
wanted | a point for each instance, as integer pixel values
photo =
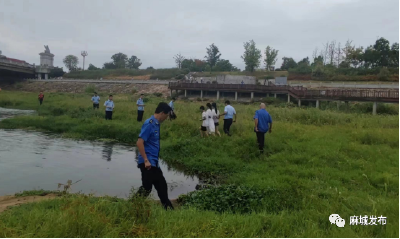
(7, 61)
(310, 94)
(297, 91)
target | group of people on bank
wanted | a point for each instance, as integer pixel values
(210, 119)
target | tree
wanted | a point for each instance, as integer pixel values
(331, 52)
(370, 57)
(305, 62)
(56, 72)
(178, 60)
(71, 62)
(339, 54)
(119, 60)
(270, 57)
(394, 55)
(133, 63)
(382, 47)
(212, 56)
(288, 63)
(109, 65)
(319, 60)
(92, 68)
(223, 65)
(194, 65)
(251, 56)
(150, 68)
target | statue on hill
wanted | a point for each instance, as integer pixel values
(47, 49)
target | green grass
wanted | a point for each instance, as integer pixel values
(39, 192)
(317, 162)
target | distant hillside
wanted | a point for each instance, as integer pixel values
(161, 74)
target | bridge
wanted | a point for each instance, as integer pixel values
(298, 92)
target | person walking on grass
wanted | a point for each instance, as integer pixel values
(40, 97)
(263, 124)
(172, 113)
(109, 104)
(229, 112)
(210, 118)
(148, 145)
(204, 124)
(140, 106)
(216, 118)
(96, 101)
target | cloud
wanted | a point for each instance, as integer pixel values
(157, 30)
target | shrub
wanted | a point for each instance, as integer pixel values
(157, 94)
(384, 74)
(18, 85)
(90, 88)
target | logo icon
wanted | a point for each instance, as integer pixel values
(336, 219)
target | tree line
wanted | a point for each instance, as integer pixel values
(333, 56)
(119, 61)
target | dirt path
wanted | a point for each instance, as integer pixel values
(9, 201)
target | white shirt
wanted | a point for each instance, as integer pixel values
(216, 120)
(204, 117)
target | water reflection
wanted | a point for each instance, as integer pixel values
(107, 151)
(32, 160)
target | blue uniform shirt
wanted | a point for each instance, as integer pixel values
(264, 118)
(150, 134)
(96, 99)
(230, 111)
(140, 102)
(171, 104)
(109, 104)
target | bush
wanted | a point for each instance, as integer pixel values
(90, 88)
(19, 85)
(157, 94)
(241, 199)
(384, 74)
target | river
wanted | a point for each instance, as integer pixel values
(34, 160)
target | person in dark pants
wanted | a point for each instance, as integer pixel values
(148, 145)
(140, 106)
(109, 104)
(229, 112)
(95, 100)
(263, 124)
(40, 98)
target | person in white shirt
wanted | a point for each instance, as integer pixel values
(216, 118)
(203, 128)
(210, 117)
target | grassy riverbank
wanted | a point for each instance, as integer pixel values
(317, 163)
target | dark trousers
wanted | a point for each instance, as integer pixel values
(140, 115)
(109, 115)
(260, 140)
(95, 106)
(227, 125)
(155, 177)
(40, 101)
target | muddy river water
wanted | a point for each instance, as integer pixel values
(34, 160)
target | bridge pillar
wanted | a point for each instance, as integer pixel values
(236, 96)
(176, 92)
(288, 98)
(185, 93)
(217, 94)
(252, 95)
(46, 76)
(170, 93)
(39, 76)
(299, 102)
(338, 105)
(267, 94)
(201, 94)
(317, 104)
(374, 108)
(275, 95)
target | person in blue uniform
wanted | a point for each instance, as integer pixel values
(229, 112)
(109, 104)
(148, 145)
(140, 111)
(172, 114)
(95, 100)
(263, 124)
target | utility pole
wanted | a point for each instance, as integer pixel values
(84, 54)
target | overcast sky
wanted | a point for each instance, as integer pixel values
(155, 30)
